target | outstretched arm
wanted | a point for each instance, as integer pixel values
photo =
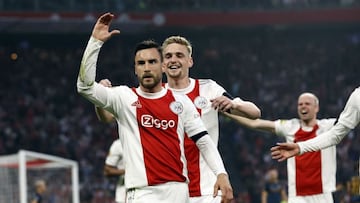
(256, 124)
(236, 106)
(283, 151)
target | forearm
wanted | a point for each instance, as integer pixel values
(113, 171)
(246, 109)
(211, 154)
(87, 71)
(327, 139)
(86, 85)
(256, 124)
(104, 115)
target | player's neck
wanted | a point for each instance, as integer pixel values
(309, 123)
(179, 83)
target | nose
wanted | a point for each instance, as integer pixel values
(147, 66)
(172, 58)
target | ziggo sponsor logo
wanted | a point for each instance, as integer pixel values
(151, 122)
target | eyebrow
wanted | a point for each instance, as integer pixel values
(149, 60)
(176, 53)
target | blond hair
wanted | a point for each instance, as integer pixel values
(178, 40)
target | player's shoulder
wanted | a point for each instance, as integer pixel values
(181, 101)
(121, 88)
(287, 127)
(211, 87)
(326, 121)
(207, 82)
(356, 95)
(179, 96)
(116, 144)
(289, 122)
(357, 90)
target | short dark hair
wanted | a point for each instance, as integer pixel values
(148, 44)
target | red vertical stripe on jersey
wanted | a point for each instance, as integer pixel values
(159, 139)
(192, 153)
(308, 167)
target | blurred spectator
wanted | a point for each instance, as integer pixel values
(164, 5)
(273, 191)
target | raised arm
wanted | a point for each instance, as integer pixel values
(86, 84)
(102, 26)
(256, 124)
(101, 113)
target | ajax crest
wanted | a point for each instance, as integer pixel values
(200, 102)
(176, 107)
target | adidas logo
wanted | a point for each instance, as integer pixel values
(137, 104)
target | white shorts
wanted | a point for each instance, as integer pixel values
(172, 192)
(205, 199)
(320, 198)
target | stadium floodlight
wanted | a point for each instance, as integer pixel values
(19, 171)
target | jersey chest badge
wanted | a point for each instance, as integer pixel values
(176, 107)
(200, 102)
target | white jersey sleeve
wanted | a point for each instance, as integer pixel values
(348, 119)
(88, 63)
(115, 155)
(215, 90)
(99, 95)
(195, 129)
(287, 128)
(211, 155)
(86, 84)
(188, 113)
(350, 116)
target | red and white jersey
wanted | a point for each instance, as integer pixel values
(200, 91)
(152, 131)
(115, 159)
(311, 173)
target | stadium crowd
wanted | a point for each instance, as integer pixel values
(40, 109)
(164, 5)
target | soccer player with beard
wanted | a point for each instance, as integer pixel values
(154, 122)
(311, 176)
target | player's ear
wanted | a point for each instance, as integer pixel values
(163, 67)
(191, 62)
(135, 70)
